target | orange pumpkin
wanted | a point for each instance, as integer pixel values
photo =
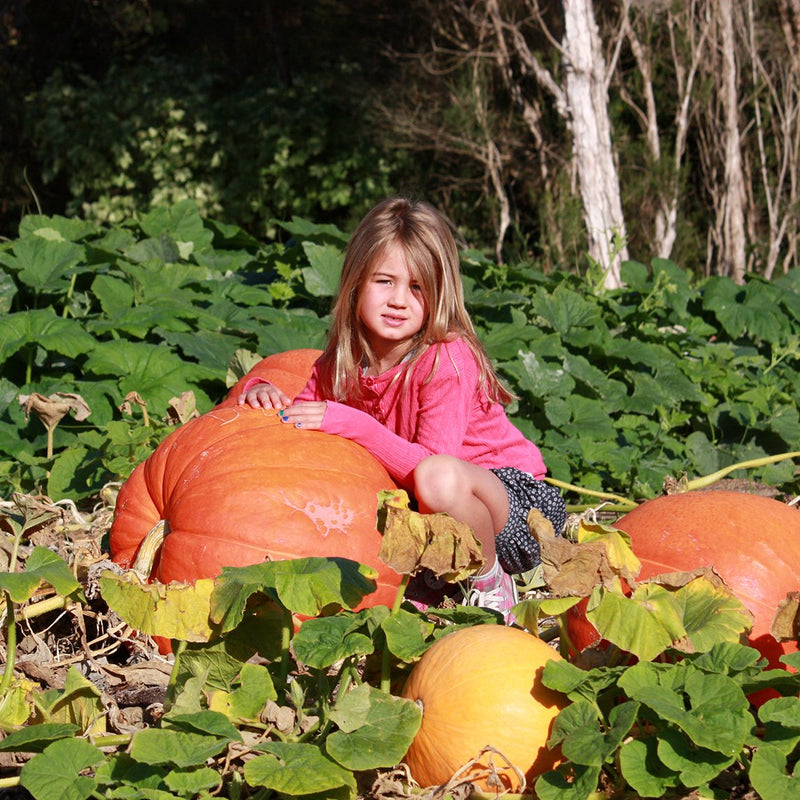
(237, 487)
(482, 686)
(753, 542)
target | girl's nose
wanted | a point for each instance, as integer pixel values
(399, 296)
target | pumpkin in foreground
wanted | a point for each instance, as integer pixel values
(753, 542)
(482, 686)
(236, 487)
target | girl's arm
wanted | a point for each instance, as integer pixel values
(440, 423)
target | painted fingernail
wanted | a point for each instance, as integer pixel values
(298, 425)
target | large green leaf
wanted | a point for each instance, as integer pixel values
(42, 566)
(54, 774)
(295, 768)
(375, 729)
(303, 586)
(181, 748)
(42, 327)
(711, 710)
(322, 642)
(44, 265)
(154, 372)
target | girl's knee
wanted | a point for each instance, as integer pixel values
(436, 480)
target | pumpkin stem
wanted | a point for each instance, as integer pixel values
(146, 554)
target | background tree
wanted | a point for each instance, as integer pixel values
(542, 127)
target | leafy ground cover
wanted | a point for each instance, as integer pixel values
(248, 705)
(111, 335)
(117, 323)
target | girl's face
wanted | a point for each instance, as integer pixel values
(391, 304)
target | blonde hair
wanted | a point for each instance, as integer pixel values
(432, 256)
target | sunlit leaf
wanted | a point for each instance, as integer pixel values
(174, 611)
(54, 774)
(413, 541)
(42, 566)
(296, 769)
(375, 728)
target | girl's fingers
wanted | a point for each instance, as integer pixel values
(304, 415)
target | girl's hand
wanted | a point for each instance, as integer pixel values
(264, 395)
(307, 415)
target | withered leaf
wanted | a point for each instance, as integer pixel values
(786, 622)
(413, 541)
(182, 409)
(574, 569)
(52, 409)
(132, 399)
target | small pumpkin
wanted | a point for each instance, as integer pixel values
(482, 686)
(753, 542)
(236, 487)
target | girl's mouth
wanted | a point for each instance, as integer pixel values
(393, 321)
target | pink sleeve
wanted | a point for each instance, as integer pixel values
(397, 455)
(441, 424)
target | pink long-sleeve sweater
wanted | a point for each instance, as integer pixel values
(401, 422)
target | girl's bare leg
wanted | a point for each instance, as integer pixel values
(468, 493)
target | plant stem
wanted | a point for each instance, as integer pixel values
(177, 648)
(286, 638)
(9, 783)
(707, 480)
(42, 607)
(386, 656)
(11, 622)
(628, 504)
(11, 644)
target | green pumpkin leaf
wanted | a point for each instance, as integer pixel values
(711, 709)
(375, 728)
(190, 782)
(296, 769)
(45, 264)
(577, 729)
(406, 634)
(567, 782)
(42, 566)
(322, 277)
(43, 328)
(54, 774)
(695, 765)
(770, 776)
(35, 738)
(303, 586)
(644, 771)
(174, 611)
(252, 689)
(323, 641)
(181, 748)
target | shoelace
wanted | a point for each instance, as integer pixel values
(491, 598)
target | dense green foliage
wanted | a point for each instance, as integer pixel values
(247, 154)
(620, 389)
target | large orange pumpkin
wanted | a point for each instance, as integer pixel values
(753, 542)
(479, 687)
(238, 487)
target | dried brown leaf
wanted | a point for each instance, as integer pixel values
(414, 541)
(51, 410)
(786, 622)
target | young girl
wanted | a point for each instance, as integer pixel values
(404, 375)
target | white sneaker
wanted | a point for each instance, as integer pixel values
(495, 590)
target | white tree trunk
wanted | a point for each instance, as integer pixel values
(735, 240)
(587, 100)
